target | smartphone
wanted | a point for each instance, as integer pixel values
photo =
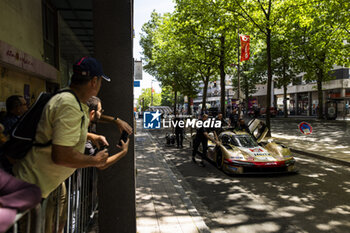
(103, 147)
(123, 137)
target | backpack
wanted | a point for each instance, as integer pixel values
(22, 137)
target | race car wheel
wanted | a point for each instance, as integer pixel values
(219, 159)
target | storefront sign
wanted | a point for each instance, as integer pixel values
(15, 57)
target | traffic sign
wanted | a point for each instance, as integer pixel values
(137, 83)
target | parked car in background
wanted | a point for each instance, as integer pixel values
(273, 112)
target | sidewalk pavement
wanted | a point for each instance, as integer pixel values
(329, 140)
(161, 203)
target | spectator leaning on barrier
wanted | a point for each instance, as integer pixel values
(16, 106)
(66, 125)
(95, 113)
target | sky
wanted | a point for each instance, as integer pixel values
(142, 13)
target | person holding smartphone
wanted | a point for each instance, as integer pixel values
(95, 114)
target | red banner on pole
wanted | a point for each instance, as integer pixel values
(245, 47)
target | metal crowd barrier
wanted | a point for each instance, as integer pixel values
(82, 204)
(26, 220)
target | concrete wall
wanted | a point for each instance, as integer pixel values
(12, 83)
(21, 25)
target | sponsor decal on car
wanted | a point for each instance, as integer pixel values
(256, 150)
(265, 158)
(261, 154)
(237, 157)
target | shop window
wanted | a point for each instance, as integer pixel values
(50, 33)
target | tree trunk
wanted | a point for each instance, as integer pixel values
(205, 90)
(189, 112)
(320, 94)
(269, 81)
(285, 109)
(222, 76)
(175, 103)
(284, 80)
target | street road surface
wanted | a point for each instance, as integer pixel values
(316, 199)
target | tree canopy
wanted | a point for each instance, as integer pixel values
(198, 42)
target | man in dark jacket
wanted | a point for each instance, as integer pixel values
(179, 133)
(202, 137)
(242, 126)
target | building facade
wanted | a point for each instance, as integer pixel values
(302, 98)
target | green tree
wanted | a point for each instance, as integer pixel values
(318, 32)
(166, 57)
(197, 39)
(250, 76)
(252, 72)
(265, 16)
(167, 96)
(283, 66)
(144, 99)
(207, 28)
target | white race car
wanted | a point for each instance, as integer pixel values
(245, 153)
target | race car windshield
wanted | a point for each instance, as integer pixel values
(244, 141)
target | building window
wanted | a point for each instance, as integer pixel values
(50, 34)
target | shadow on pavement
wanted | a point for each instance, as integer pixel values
(314, 200)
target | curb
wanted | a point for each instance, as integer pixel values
(321, 157)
